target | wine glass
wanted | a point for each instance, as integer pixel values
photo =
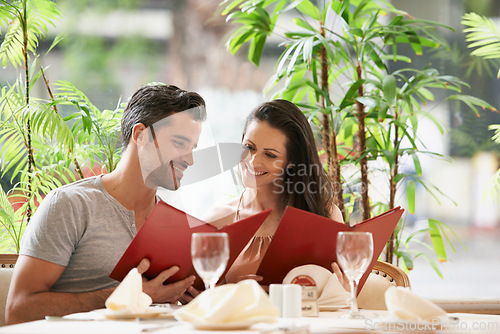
(210, 253)
(354, 254)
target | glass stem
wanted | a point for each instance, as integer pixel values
(211, 283)
(354, 300)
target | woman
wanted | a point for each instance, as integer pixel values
(280, 167)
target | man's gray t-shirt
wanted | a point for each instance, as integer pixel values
(82, 227)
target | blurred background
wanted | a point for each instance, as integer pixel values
(113, 47)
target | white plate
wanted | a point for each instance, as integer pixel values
(330, 308)
(125, 316)
(222, 326)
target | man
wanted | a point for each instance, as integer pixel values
(80, 230)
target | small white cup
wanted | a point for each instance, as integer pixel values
(292, 301)
(276, 296)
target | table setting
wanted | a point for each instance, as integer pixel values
(245, 307)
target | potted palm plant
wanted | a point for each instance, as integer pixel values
(335, 64)
(41, 147)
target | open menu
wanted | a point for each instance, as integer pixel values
(306, 238)
(165, 239)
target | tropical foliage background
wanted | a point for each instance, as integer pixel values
(43, 148)
(375, 115)
(483, 35)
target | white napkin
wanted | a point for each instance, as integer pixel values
(406, 305)
(330, 292)
(128, 296)
(372, 295)
(244, 301)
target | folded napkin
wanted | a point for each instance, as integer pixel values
(128, 296)
(372, 295)
(244, 301)
(330, 292)
(406, 305)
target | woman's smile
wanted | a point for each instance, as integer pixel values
(253, 171)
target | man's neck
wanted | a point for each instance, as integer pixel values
(126, 185)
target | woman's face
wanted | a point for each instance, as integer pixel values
(265, 158)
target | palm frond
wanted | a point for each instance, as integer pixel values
(11, 224)
(39, 13)
(6, 15)
(483, 34)
(47, 123)
(493, 188)
(99, 129)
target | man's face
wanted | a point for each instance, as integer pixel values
(165, 150)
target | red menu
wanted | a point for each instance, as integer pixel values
(165, 239)
(306, 238)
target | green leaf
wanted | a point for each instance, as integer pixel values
(350, 95)
(308, 8)
(292, 64)
(427, 94)
(437, 240)
(284, 57)
(256, 49)
(483, 33)
(395, 57)
(389, 89)
(240, 37)
(416, 164)
(303, 24)
(367, 101)
(232, 4)
(472, 102)
(307, 54)
(374, 55)
(382, 111)
(277, 11)
(54, 43)
(406, 258)
(410, 195)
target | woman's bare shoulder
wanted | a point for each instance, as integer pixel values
(336, 214)
(222, 214)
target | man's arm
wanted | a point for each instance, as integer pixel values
(30, 297)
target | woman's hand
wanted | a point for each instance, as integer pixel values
(341, 276)
(257, 278)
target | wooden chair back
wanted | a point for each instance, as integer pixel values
(8, 260)
(7, 263)
(392, 273)
(383, 276)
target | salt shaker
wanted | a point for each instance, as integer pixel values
(292, 301)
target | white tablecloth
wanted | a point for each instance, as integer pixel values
(328, 322)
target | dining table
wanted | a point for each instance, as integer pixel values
(375, 321)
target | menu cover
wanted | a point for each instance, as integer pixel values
(165, 239)
(306, 238)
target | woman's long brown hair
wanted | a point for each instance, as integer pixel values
(305, 183)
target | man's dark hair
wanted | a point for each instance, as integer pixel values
(152, 103)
